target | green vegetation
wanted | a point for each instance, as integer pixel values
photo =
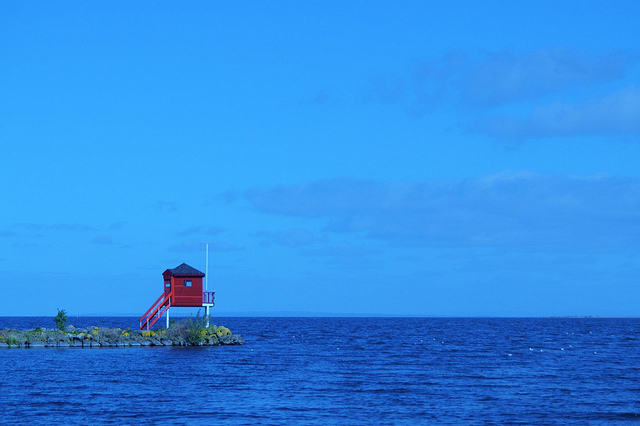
(61, 319)
(108, 335)
(12, 341)
(197, 330)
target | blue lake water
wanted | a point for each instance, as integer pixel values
(338, 371)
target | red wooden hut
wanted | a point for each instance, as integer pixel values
(182, 288)
(185, 282)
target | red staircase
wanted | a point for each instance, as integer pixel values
(156, 311)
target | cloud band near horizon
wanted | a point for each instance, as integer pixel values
(519, 210)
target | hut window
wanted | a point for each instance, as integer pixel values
(187, 283)
(167, 284)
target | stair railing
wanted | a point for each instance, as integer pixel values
(163, 302)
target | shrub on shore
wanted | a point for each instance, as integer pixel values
(196, 330)
(61, 319)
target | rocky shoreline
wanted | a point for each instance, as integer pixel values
(185, 333)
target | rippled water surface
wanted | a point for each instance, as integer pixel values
(338, 371)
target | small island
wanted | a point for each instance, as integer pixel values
(186, 332)
(182, 287)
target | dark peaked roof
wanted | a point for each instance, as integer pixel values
(185, 269)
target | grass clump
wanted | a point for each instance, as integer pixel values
(108, 335)
(195, 331)
(177, 332)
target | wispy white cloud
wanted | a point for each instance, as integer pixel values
(488, 79)
(51, 227)
(611, 115)
(345, 251)
(227, 196)
(346, 256)
(116, 226)
(540, 87)
(8, 233)
(196, 246)
(518, 210)
(201, 230)
(320, 98)
(187, 247)
(105, 239)
(165, 206)
(37, 230)
(501, 77)
(296, 237)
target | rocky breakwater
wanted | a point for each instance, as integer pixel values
(183, 333)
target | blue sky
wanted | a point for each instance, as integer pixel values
(456, 159)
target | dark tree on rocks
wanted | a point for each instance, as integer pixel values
(61, 319)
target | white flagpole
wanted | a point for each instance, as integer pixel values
(206, 271)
